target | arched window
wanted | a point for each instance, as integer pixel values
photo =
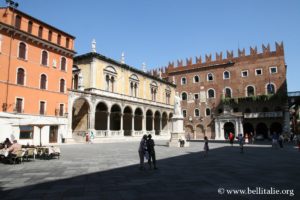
(63, 63)
(44, 58)
(62, 86)
(250, 91)
(211, 93)
(49, 35)
(22, 50)
(43, 83)
(134, 80)
(196, 79)
(29, 29)
(75, 82)
(107, 82)
(197, 113)
(226, 75)
(183, 81)
(184, 96)
(40, 33)
(207, 112)
(184, 113)
(270, 88)
(227, 93)
(210, 77)
(18, 22)
(58, 39)
(20, 76)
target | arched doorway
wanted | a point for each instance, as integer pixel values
(170, 122)
(101, 116)
(138, 119)
(80, 116)
(127, 121)
(248, 128)
(189, 131)
(200, 132)
(149, 120)
(115, 118)
(164, 122)
(228, 127)
(157, 123)
(276, 127)
(262, 129)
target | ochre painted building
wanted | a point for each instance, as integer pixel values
(116, 101)
(239, 94)
(36, 62)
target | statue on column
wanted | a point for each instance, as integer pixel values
(94, 46)
(177, 106)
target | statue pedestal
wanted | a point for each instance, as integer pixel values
(178, 134)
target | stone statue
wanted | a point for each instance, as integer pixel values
(94, 46)
(177, 106)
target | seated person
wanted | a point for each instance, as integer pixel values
(14, 148)
(7, 143)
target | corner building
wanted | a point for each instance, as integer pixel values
(242, 94)
(117, 102)
(36, 62)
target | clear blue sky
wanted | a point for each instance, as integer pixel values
(159, 31)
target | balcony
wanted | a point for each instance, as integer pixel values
(263, 115)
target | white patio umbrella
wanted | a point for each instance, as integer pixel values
(40, 123)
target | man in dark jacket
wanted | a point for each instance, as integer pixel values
(151, 151)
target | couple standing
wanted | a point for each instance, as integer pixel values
(146, 150)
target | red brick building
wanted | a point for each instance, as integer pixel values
(242, 94)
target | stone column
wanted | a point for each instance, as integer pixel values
(93, 73)
(160, 126)
(108, 123)
(153, 123)
(132, 126)
(144, 124)
(121, 126)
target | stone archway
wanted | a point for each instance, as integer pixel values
(138, 119)
(80, 116)
(248, 128)
(157, 123)
(228, 127)
(164, 122)
(115, 118)
(101, 115)
(200, 132)
(127, 121)
(262, 129)
(189, 131)
(149, 120)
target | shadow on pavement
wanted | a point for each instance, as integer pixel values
(190, 177)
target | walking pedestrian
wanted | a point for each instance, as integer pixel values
(241, 142)
(87, 138)
(206, 148)
(274, 140)
(231, 138)
(151, 151)
(280, 141)
(91, 137)
(142, 150)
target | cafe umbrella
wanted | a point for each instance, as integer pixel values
(41, 123)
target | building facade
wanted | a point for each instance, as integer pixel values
(243, 94)
(115, 101)
(294, 108)
(36, 62)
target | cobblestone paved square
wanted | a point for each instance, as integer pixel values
(110, 171)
